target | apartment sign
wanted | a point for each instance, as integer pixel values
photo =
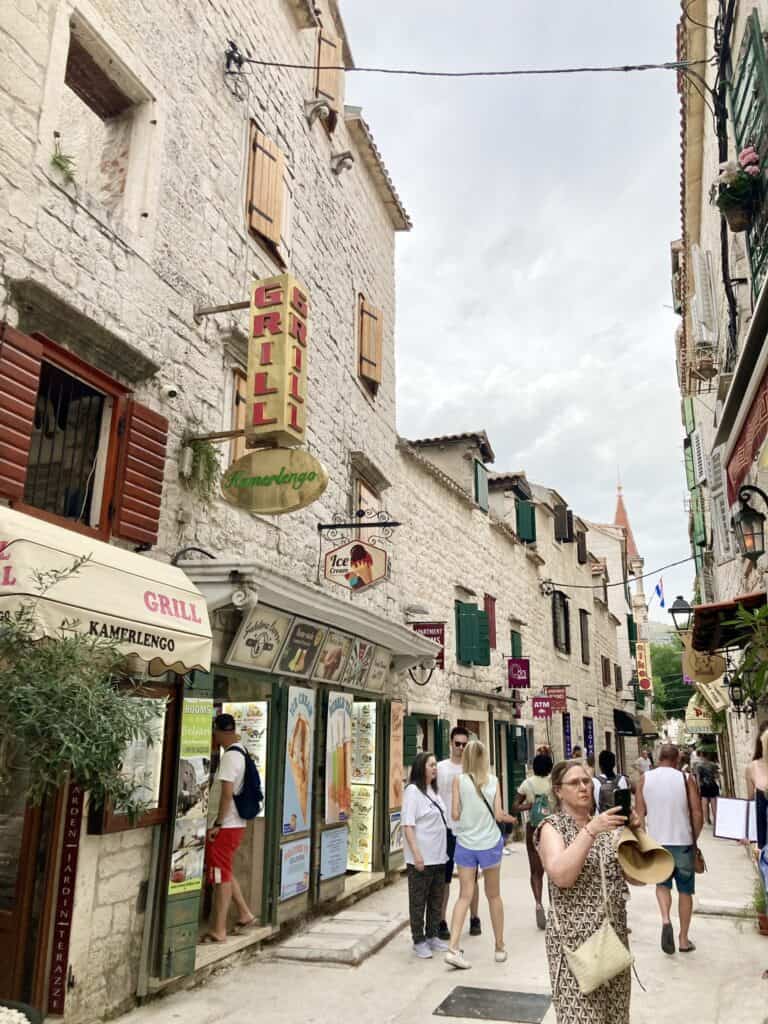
(276, 390)
(558, 695)
(434, 631)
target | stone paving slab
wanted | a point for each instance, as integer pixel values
(346, 938)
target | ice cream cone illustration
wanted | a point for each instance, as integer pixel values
(299, 755)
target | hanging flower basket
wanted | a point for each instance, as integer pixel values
(738, 189)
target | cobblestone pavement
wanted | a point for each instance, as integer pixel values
(718, 984)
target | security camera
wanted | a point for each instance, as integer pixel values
(171, 391)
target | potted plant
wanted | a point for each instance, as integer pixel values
(739, 187)
(759, 903)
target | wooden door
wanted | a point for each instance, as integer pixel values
(19, 840)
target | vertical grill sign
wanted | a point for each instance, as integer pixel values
(277, 362)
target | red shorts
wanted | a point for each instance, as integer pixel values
(220, 852)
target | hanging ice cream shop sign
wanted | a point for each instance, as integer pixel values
(276, 396)
(356, 565)
(518, 673)
(274, 480)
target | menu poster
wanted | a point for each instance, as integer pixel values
(297, 783)
(396, 838)
(360, 856)
(338, 758)
(359, 663)
(397, 715)
(377, 676)
(251, 723)
(261, 635)
(294, 868)
(187, 855)
(332, 661)
(301, 648)
(364, 742)
(333, 853)
(142, 762)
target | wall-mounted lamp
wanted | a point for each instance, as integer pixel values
(342, 162)
(681, 613)
(749, 525)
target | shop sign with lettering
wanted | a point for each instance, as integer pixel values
(558, 697)
(518, 673)
(65, 901)
(276, 393)
(273, 481)
(643, 662)
(356, 565)
(542, 707)
(433, 631)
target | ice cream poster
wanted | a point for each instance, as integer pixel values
(359, 664)
(338, 758)
(333, 657)
(301, 649)
(297, 787)
(294, 869)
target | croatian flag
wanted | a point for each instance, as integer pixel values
(660, 592)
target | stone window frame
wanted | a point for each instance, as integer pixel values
(137, 222)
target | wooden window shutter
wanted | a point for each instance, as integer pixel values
(617, 678)
(442, 738)
(481, 485)
(584, 626)
(482, 654)
(371, 342)
(525, 513)
(410, 739)
(561, 522)
(20, 358)
(516, 641)
(555, 626)
(489, 603)
(581, 547)
(266, 187)
(567, 619)
(689, 418)
(631, 634)
(690, 472)
(330, 79)
(569, 534)
(140, 471)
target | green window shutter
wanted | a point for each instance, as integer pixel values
(690, 473)
(410, 734)
(466, 632)
(525, 512)
(442, 739)
(517, 644)
(481, 485)
(632, 634)
(699, 524)
(749, 104)
(688, 418)
(483, 645)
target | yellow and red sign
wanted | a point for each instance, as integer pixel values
(276, 394)
(643, 661)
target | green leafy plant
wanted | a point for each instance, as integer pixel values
(67, 710)
(752, 634)
(759, 896)
(206, 469)
(63, 163)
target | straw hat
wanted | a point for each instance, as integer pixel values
(642, 859)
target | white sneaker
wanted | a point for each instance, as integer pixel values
(438, 945)
(500, 956)
(422, 950)
(455, 957)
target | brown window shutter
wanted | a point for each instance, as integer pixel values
(265, 187)
(371, 342)
(20, 358)
(140, 471)
(489, 604)
(330, 80)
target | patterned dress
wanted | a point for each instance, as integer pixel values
(580, 912)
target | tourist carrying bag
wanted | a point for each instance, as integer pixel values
(490, 809)
(699, 864)
(603, 956)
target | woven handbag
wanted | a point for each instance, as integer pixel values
(603, 956)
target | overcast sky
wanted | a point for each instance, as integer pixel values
(534, 290)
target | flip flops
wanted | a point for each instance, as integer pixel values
(242, 926)
(667, 939)
(688, 949)
(208, 938)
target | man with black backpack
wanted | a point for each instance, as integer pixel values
(606, 782)
(238, 788)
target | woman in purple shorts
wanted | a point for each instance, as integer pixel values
(476, 806)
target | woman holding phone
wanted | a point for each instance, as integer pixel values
(578, 855)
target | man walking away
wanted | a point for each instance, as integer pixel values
(226, 832)
(606, 782)
(447, 771)
(668, 801)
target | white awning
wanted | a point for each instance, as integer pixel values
(150, 608)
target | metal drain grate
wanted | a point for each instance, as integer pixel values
(494, 1004)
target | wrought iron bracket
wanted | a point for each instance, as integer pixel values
(365, 519)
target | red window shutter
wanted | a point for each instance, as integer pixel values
(490, 610)
(140, 470)
(20, 358)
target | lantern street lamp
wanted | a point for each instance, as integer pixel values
(749, 524)
(681, 613)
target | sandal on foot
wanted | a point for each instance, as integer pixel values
(241, 926)
(688, 949)
(667, 939)
(211, 938)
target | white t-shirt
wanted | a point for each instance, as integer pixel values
(446, 773)
(231, 769)
(423, 813)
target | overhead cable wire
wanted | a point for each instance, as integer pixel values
(620, 583)
(672, 65)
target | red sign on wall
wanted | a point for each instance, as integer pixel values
(542, 707)
(559, 697)
(65, 901)
(433, 631)
(518, 673)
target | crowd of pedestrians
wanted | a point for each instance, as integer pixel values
(454, 819)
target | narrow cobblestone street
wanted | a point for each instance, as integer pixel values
(719, 984)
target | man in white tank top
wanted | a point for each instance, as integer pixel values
(672, 811)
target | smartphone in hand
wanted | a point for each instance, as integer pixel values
(623, 799)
